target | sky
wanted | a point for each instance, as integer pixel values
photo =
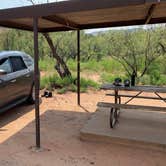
(11, 3)
(15, 3)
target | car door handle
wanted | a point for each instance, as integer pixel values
(13, 81)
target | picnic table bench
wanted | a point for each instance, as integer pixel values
(117, 105)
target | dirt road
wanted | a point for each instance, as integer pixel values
(61, 121)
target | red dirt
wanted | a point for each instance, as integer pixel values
(61, 121)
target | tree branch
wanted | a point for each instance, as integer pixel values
(162, 47)
(31, 1)
(122, 65)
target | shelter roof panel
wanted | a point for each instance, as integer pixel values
(108, 15)
(27, 23)
(85, 14)
(160, 10)
(66, 7)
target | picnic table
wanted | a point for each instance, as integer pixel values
(117, 105)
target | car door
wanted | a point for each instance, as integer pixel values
(6, 85)
(22, 76)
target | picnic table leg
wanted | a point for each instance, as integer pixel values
(114, 112)
(118, 110)
(117, 101)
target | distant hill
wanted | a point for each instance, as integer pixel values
(105, 30)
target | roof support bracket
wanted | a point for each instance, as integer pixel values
(60, 20)
(151, 11)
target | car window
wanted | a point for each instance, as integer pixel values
(5, 65)
(17, 63)
(28, 60)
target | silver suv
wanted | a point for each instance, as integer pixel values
(16, 79)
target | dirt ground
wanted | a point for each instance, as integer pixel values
(61, 121)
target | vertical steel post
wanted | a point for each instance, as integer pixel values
(37, 80)
(78, 67)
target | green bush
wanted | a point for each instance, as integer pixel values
(86, 83)
(111, 66)
(145, 80)
(91, 65)
(67, 84)
(154, 77)
(72, 65)
(47, 64)
(107, 68)
(62, 91)
(162, 80)
(109, 78)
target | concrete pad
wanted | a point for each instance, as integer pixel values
(135, 128)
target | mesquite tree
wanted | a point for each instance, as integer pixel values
(136, 50)
(60, 66)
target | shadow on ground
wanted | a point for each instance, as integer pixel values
(15, 113)
(61, 144)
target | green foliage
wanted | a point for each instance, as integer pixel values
(46, 64)
(104, 65)
(145, 80)
(67, 84)
(62, 90)
(161, 81)
(97, 51)
(136, 50)
(155, 77)
(54, 81)
(109, 78)
(86, 83)
(108, 69)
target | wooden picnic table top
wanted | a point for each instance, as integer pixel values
(134, 88)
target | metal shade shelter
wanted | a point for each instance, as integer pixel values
(78, 15)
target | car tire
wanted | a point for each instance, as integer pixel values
(31, 98)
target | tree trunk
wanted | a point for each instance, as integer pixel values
(133, 78)
(60, 66)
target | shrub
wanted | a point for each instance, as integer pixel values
(86, 83)
(46, 64)
(72, 65)
(111, 66)
(62, 91)
(109, 78)
(155, 76)
(145, 80)
(162, 80)
(66, 84)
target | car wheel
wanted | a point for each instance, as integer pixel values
(31, 98)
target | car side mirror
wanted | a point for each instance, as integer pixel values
(2, 72)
